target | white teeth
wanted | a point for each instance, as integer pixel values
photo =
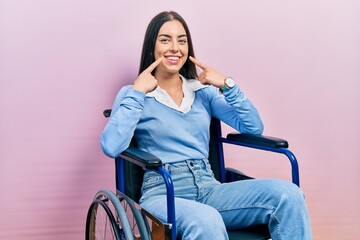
(173, 58)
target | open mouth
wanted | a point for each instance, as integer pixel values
(173, 59)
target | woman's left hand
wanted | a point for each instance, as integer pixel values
(209, 75)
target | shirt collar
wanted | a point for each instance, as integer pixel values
(189, 87)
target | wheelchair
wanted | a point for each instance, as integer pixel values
(119, 216)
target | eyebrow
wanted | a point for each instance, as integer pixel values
(168, 36)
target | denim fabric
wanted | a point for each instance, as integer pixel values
(205, 208)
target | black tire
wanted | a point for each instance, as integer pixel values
(100, 222)
(138, 222)
(120, 221)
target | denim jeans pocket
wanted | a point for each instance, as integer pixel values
(152, 179)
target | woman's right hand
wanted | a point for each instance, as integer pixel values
(146, 82)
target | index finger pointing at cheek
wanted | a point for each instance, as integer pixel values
(153, 65)
(199, 64)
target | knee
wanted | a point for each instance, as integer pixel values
(292, 193)
(289, 194)
(207, 226)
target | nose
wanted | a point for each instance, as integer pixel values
(174, 46)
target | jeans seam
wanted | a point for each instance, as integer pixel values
(278, 232)
(263, 206)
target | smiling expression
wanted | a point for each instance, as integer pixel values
(172, 45)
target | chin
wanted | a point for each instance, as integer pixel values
(173, 69)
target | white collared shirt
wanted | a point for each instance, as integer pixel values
(189, 87)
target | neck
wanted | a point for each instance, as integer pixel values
(172, 84)
(169, 81)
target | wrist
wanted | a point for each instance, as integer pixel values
(229, 83)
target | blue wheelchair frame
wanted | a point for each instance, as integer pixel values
(148, 161)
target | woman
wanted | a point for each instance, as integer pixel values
(168, 111)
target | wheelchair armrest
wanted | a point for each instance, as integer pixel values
(259, 140)
(141, 158)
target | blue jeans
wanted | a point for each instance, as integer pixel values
(205, 208)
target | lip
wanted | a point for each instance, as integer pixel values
(173, 59)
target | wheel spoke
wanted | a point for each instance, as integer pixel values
(100, 223)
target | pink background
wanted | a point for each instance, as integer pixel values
(62, 62)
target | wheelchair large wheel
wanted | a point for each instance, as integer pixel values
(107, 218)
(100, 222)
(139, 224)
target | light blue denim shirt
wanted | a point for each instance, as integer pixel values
(174, 133)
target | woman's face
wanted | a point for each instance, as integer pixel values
(171, 44)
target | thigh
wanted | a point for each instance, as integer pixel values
(194, 220)
(249, 202)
